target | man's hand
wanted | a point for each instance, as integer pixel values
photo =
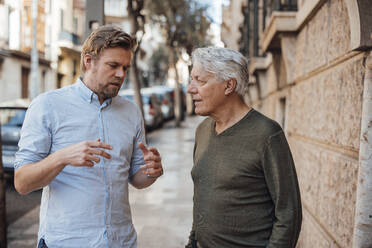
(153, 167)
(84, 153)
(37, 175)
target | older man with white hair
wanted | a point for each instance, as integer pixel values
(246, 191)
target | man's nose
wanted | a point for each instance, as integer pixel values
(190, 89)
(120, 73)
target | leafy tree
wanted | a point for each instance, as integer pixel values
(159, 64)
(137, 21)
(185, 25)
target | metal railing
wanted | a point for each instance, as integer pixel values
(67, 36)
(256, 15)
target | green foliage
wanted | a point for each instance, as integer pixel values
(184, 23)
(159, 64)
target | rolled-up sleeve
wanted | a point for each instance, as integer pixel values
(281, 178)
(137, 157)
(35, 142)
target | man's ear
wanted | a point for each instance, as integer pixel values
(230, 86)
(88, 60)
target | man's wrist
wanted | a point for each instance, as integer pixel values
(59, 159)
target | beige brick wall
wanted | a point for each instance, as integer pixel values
(327, 107)
(324, 107)
(324, 38)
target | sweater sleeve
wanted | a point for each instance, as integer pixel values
(191, 241)
(281, 179)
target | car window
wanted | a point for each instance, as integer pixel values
(12, 117)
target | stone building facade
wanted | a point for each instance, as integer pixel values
(232, 17)
(312, 72)
(60, 27)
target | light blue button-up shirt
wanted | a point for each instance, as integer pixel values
(84, 206)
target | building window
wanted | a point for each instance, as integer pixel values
(1, 66)
(76, 25)
(59, 80)
(24, 81)
(74, 68)
(62, 20)
(250, 40)
(42, 86)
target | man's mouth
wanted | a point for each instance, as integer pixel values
(115, 84)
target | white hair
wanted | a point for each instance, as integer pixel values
(225, 64)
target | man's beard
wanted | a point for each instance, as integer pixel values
(109, 93)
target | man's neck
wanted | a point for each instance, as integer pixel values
(232, 113)
(85, 80)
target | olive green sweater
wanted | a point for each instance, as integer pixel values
(246, 192)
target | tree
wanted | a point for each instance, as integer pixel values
(185, 25)
(2, 201)
(137, 21)
(159, 65)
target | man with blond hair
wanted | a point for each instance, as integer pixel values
(82, 144)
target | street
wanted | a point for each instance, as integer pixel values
(162, 213)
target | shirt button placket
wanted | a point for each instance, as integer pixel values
(107, 188)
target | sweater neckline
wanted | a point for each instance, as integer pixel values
(230, 129)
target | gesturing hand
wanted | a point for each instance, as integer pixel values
(84, 153)
(153, 167)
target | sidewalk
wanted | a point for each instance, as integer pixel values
(162, 213)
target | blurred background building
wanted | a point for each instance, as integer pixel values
(309, 71)
(61, 29)
(60, 25)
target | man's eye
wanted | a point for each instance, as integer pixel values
(112, 65)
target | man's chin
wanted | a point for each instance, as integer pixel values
(110, 93)
(201, 113)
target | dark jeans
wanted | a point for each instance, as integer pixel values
(42, 244)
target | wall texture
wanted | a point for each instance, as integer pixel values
(321, 79)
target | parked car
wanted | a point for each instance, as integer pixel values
(151, 107)
(11, 120)
(166, 98)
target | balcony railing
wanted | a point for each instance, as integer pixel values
(257, 13)
(67, 36)
(278, 5)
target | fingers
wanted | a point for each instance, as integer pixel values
(99, 152)
(88, 163)
(91, 158)
(154, 151)
(152, 169)
(98, 144)
(152, 172)
(149, 154)
(143, 148)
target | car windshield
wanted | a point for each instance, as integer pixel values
(12, 117)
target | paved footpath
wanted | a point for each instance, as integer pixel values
(162, 213)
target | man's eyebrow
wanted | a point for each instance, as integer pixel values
(116, 63)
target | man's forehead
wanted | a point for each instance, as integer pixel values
(118, 56)
(198, 71)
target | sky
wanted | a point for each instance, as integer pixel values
(215, 12)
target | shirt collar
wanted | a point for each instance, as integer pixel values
(87, 94)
